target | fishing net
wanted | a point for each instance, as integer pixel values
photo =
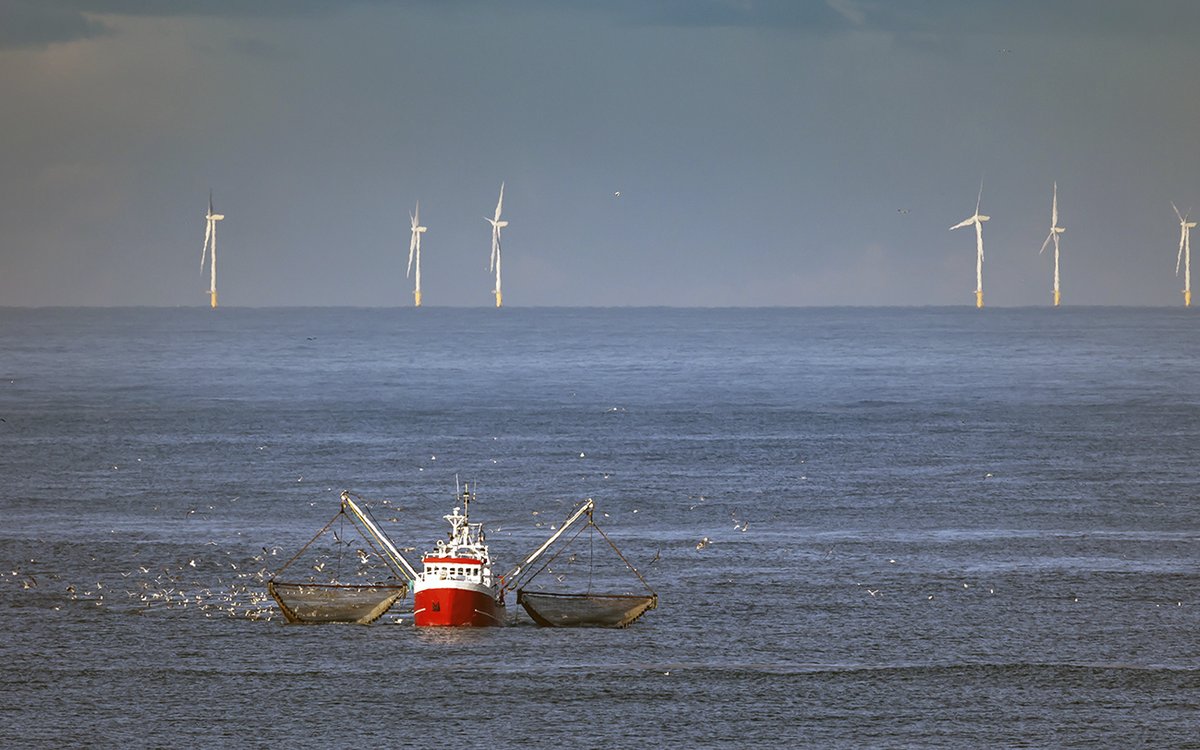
(562, 610)
(606, 602)
(332, 602)
(340, 575)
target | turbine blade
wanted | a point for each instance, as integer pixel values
(963, 223)
(500, 202)
(1054, 208)
(208, 225)
(1177, 211)
(1179, 257)
(1053, 235)
(979, 200)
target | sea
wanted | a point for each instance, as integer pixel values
(866, 527)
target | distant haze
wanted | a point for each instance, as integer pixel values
(770, 152)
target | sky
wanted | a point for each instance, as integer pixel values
(765, 152)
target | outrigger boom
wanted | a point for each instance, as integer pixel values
(510, 579)
(394, 558)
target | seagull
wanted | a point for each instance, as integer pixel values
(617, 194)
(702, 543)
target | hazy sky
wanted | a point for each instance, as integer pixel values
(767, 152)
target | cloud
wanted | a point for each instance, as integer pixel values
(33, 23)
(38, 23)
(848, 10)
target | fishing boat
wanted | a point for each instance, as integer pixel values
(456, 586)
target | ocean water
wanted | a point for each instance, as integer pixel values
(867, 527)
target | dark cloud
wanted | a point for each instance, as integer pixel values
(218, 8)
(40, 22)
(36, 23)
(784, 14)
(917, 18)
(1063, 17)
(33, 23)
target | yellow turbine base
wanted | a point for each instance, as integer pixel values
(213, 299)
(417, 298)
(498, 299)
(1057, 297)
(1187, 298)
(978, 298)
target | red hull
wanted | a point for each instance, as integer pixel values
(455, 607)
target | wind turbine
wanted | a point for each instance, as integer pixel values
(1185, 254)
(414, 250)
(977, 219)
(210, 240)
(1055, 230)
(497, 225)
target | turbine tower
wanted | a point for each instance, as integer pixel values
(1185, 254)
(1055, 230)
(977, 219)
(210, 240)
(414, 250)
(497, 225)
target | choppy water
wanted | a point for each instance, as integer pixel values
(960, 529)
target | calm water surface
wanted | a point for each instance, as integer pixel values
(927, 528)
